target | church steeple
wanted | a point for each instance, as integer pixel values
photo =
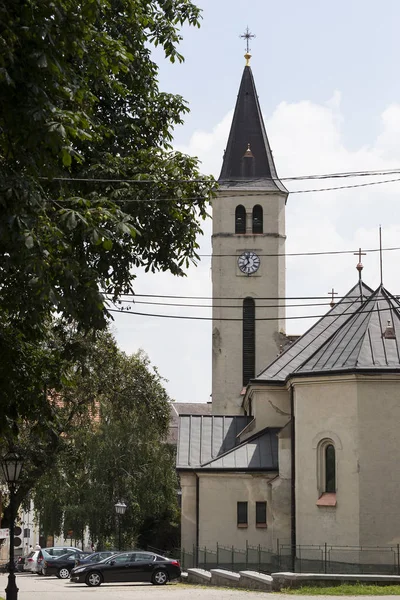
(248, 132)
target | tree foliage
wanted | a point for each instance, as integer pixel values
(119, 453)
(90, 187)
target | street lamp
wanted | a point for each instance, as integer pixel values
(11, 465)
(120, 508)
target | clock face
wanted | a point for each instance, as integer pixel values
(248, 262)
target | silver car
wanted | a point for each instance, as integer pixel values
(31, 562)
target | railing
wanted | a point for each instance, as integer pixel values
(322, 558)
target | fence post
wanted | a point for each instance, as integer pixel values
(325, 557)
(233, 558)
(205, 558)
(259, 558)
(247, 554)
(398, 559)
(195, 556)
(183, 558)
(217, 555)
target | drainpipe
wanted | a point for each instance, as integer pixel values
(293, 484)
(197, 519)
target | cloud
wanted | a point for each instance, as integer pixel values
(306, 138)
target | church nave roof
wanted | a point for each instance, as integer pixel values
(368, 340)
(305, 346)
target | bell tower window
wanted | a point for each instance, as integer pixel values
(249, 340)
(257, 219)
(240, 219)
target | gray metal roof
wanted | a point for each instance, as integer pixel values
(184, 408)
(248, 129)
(361, 342)
(258, 453)
(305, 346)
(203, 438)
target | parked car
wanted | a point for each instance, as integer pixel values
(20, 563)
(53, 551)
(61, 566)
(128, 566)
(95, 557)
(31, 562)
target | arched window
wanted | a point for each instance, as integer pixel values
(249, 340)
(240, 219)
(257, 219)
(330, 468)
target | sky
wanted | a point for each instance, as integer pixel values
(327, 80)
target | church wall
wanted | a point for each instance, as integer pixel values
(281, 492)
(326, 408)
(219, 494)
(379, 473)
(188, 510)
(270, 407)
(228, 281)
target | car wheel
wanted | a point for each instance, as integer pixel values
(63, 573)
(160, 577)
(93, 579)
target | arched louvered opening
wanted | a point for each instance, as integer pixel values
(240, 219)
(330, 468)
(249, 340)
(257, 219)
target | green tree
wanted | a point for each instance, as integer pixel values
(90, 187)
(119, 453)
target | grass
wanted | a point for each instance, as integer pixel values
(346, 589)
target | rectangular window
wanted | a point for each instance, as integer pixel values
(242, 514)
(261, 514)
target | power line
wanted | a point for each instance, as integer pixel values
(326, 253)
(344, 187)
(185, 305)
(191, 318)
(255, 194)
(336, 175)
(234, 297)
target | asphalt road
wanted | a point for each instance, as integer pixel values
(34, 587)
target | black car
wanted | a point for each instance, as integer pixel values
(95, 557)
(128, 566)
(61, 565)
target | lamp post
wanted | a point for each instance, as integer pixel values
(120, 508)
(11, 465)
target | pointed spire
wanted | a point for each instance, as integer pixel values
(248, 132)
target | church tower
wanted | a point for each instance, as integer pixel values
(248, 262)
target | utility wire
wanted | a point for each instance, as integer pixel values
(326, 253)
(236, 297)
(185, 305)
(334, 315)
(340, 175)
(253, 194)
(134, 302)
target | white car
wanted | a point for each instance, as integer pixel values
(31, 562)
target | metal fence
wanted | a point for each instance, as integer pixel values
(323, 558)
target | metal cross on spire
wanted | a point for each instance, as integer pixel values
(247, 36)
(332, 293)
(360, 265)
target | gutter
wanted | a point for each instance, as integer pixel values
(196, 557)
(293, 485)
